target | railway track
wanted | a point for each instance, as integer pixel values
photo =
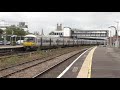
(9, 71)
(10, 52)
(21, 54)
(55, 65)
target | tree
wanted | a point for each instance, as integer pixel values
(27, 32)
(13, 30)
(1, 31)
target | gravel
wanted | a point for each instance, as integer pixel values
(30, 72)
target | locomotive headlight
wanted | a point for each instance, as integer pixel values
(32, 43)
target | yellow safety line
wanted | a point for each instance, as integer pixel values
(90, 63)
(85, 71)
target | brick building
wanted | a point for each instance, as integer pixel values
(111, 40)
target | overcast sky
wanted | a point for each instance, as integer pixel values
(48, 20)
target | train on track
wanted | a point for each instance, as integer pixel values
(36, 41)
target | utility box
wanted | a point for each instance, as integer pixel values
(67, 32)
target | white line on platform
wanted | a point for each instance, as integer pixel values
(72, 64)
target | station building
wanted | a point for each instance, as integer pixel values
(77, 33)
(89, 34)
(112, 40)
(100, 36)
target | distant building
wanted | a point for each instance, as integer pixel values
(100, 36)
(42, 33)
(111, 40)
(80, 34)
(58, 32)
(90, 34)
(4, 24)
(59, 27)
(22, 25)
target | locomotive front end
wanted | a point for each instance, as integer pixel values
(29, 42)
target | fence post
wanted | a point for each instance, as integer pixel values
(63, 41)
(73, 42)
(77, 42)
(50, 41)
(41, 42)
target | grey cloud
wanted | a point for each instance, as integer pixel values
(48, 20)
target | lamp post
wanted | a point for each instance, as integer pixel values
(5, 38)
(12, 37)
(116, 34)
(117, 41)
(110, 38)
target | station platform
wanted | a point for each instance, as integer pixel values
(10, 47)
(106, 63)
(97, 62)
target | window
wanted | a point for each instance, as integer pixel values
(29, 39)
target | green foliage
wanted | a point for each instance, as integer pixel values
(1, 31)
(1, 39)
(27, 32)
(15, 31)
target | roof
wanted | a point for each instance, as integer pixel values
(88, 30)
(30, 35)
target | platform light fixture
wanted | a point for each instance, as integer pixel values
(116, 34)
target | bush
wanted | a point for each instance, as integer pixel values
(1, 39)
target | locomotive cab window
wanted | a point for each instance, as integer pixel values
(29, 39)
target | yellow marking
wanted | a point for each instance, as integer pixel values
(85, 71)
(29, 44)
